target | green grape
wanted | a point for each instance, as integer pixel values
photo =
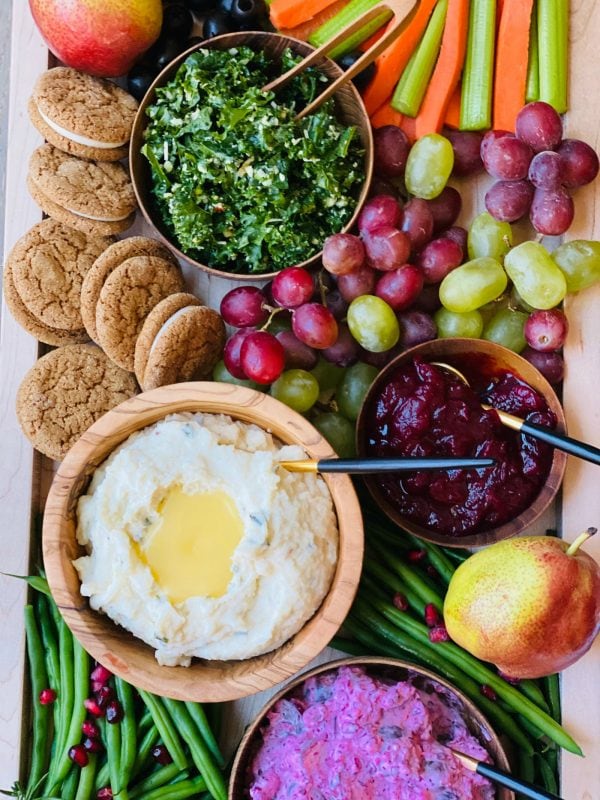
(373, 323)
(579, 261)
(329, 376)
(297, 388)
(489, 238)
(506, 328)
(449, 324)
(517, 302)
(353, 388)
(338, 431)
(429, 165)
(222, 374)
(472, 285)
(535, 275)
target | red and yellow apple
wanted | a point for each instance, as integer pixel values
(102, 37)
(530, 605)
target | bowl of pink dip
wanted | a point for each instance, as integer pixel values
(366, 729)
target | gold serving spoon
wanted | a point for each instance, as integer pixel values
(561, 441)
(399, 10)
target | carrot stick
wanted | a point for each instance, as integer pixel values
(386, 115)
(371, 40)
(289, 13)
(430, 118)
(453, 110)
(308, 28)
(394, 59)
(408, 126)
(512, 57)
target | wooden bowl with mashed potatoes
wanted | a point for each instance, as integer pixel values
(205, 679)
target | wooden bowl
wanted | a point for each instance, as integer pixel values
(118, 649)
(380, 667)
(474, 358)
(350, 110)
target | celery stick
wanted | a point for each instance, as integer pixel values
(361, 35)
(553, 34)
(348, 14)
(477, 84)
(411, 88)
(532, 89)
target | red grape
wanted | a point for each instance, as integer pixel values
(315, 325)
(438, 258)
(545, 170)
(546, 330)
(390, 149)
(551, 365)
(579, 163)
(378, 211)
(467, 151)
(357, 283)
(490, 138)
(232, 355)
(551, 211)
(401, 287)
(417, 222)
(508, 201)
(262, 357)
(507, 158)
(343, 253)
(379, 185)
(458, 235)
(379, 360)
(445, 208)
(292, 287)
(297, 354)
(387, 248)
(243, 307)
(429, 299)
(346, 349)
(415, 327)
(539, 126)
(336, 304)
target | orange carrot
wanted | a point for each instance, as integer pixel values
(290, 13)
(453, 110)
(392, 61)
(304, 30)
(408, 126)
(512, 56)
(386, 115)
(371, 40)
(430, 118)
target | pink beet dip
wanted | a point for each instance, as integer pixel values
(346, 735)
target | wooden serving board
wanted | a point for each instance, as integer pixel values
(25, 476)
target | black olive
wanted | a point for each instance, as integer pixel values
(201, 6)
(177, 22)
(193, 41)
(167, 50)
(139, 79)
(216, 23)
(364, 78)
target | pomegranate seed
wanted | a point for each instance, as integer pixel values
(114, 712)
(93, 745)
(416, 555)
(78, 755)
(432, 615)
(101, 675)
(509, 678)
(92, 706)
(400, 602)
(105, 793)
(161, 755)
(96, 686)
(104, 695)
(439, 634)
(488, 692)
(90, 729)
(432, 571)
(47, 696)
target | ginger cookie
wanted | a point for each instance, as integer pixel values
(31, 323)
(48, 266)
(181, 340)
(129, 294)
(94, 197)
(109, 260)
(85, 116)
(65, 392)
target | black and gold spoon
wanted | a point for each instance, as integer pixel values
(497, 775)
(370, 466)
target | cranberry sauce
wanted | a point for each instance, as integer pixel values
(427, 411)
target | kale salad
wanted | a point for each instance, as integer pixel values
(239, 184)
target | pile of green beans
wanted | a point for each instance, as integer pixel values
(125, 763)
(527, 713)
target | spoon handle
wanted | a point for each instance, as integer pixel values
(524, 788)
(367, 466)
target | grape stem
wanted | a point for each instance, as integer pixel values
(322, 289)
(272, 312)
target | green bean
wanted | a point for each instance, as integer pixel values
(145, 748)
(41, 713)
(547, 774)
(168, 731)
(49, 640)
(352, 647)
(103, 775)
(65, 702)
(159, 777)
(376, 526)
(198, 715)
(440, 561)
(531, 729)
(552, 685)
(454, 554)
(201, 755)
(113, 756)
(380, 646)
(69, 786)
(128, 730)
(395, 584)
(526, 767)
(145, 723)
(534, 693)
(177, 791)
(87, 775)
(413, 581)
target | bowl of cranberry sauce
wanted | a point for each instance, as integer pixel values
(415, 408)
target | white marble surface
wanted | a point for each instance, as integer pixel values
(5, 17)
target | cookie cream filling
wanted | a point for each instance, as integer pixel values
(97, 219)
(76, 137)
(166, 325)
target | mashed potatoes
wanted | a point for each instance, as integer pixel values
(281, 569)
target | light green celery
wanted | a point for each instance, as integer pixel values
(348, 14)
(411, 88)
(361, 35)
(553, 34)
(478, 74)
(532, 89)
